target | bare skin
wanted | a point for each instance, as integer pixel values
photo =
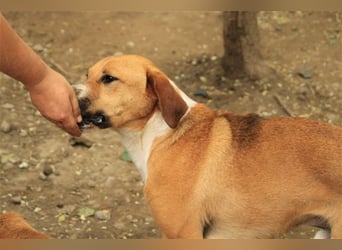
(50, 92)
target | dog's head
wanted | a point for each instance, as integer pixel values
(125, 91)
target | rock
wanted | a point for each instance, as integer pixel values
(23, 133)
(102, 215)
(16, 200)
(7, 106)
(23, 165)
(37, 209)
(203, 79)
(131, 44)
(80, 142)
(306, 72)
(91, 184)
(61, 217)
(42, 176)
(60, 205)
(38, 47)
(201, 92)
(85, 212)
(47, 170)
(6, 127)
(66, 209)
(213, 58)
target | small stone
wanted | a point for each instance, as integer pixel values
(8, 106)
(306, 73)
(61, 218)
(201, 92)
(60, 205)
(91, 184)
(16, 200)
(80, 142)
(67, 209)
(47, 170)
(38, 47)
(203, 79)
(23, 165)
(85, 212)
(23, 133)
(42, 176)
(6, 127)
(130, 44)
(37, 210)
(102, 215)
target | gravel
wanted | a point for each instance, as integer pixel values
(5, 127)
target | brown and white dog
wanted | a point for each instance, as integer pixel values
(213, 174)
(13, 226)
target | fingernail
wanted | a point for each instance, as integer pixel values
(79, 118)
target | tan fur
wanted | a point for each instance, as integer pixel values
(220, 175)
(13, 226)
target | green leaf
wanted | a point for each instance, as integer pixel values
(126, 157)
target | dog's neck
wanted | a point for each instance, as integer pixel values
(139, 143)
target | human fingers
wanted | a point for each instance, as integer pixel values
(69, 124)
(75, 108)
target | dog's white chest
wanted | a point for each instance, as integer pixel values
(139, 143)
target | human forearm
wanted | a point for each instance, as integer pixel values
(17, 59)
(50, 92)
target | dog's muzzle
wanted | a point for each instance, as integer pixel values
(98, 118)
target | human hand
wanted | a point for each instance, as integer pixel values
(56, 101)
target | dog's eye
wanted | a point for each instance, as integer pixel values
(108, 78)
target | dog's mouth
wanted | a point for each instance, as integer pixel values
(98, 119)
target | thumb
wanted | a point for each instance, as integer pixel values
(75, 108)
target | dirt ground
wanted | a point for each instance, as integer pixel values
(83, 189)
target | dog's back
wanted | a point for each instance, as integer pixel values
(286, 170)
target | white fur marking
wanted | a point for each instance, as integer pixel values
(322, 234)
(139, 144)
(191, 103)
(81, 90)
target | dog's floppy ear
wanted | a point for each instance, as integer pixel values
(170, 103)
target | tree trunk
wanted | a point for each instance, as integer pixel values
(242, 56)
